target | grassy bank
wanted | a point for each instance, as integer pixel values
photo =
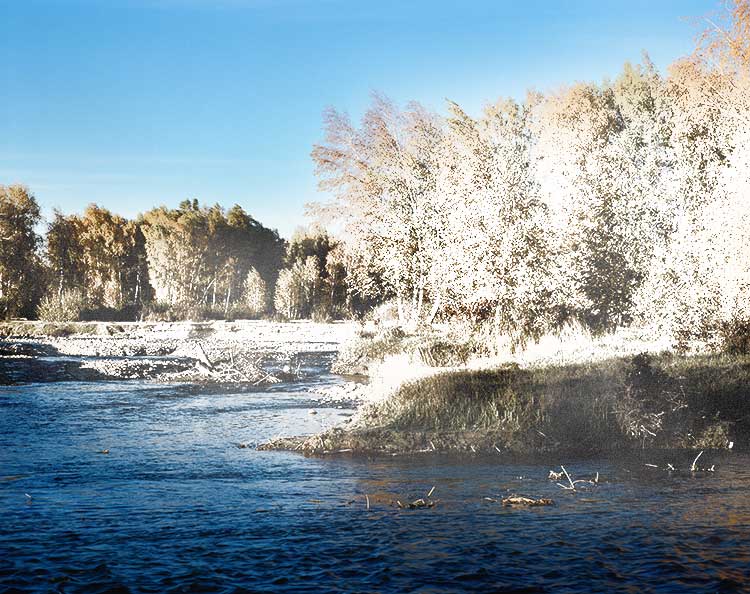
(571, 400)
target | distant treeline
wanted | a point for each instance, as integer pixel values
(191, 262)
(626, 201)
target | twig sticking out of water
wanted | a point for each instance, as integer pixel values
(367, 498)
(571, 483)
(269, 377)
(419, 503)
(693, 467)
(570, 480)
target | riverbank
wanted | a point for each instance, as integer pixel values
(214, 352)
(603, 395)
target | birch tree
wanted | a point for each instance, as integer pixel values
(382, 176)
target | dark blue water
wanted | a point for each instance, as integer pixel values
(177, 506)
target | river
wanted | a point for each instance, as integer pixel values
(178, 506)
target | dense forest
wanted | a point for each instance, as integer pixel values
(625, 202)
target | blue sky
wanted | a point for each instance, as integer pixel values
(137, 103)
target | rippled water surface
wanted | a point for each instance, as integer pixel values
(177, 506)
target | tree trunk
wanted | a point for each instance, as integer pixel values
(435, 309)
(120, 283)
(420, 301)
(226, 303)
(137, 284)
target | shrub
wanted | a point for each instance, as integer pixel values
(160, 311)
(125, 313)
(735, 336)
(358, 355)
(66, 306)
(384, 313)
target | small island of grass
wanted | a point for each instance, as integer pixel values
(587, 395)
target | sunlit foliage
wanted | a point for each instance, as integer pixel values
(19, 263)
(612, 203)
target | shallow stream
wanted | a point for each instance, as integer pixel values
(178, 506)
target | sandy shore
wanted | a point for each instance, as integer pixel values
(241, 351)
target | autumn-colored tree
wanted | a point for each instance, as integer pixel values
(19, 262)
(200, 257)
(107, 241)
(101, 258)
(65, 253)
(701, 284)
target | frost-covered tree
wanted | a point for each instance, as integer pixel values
(254, 294)
(611, 203)
(702, 283)
(299, 289)
(383, 176)
(495, 258)
(324, 262)
(289, 297)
